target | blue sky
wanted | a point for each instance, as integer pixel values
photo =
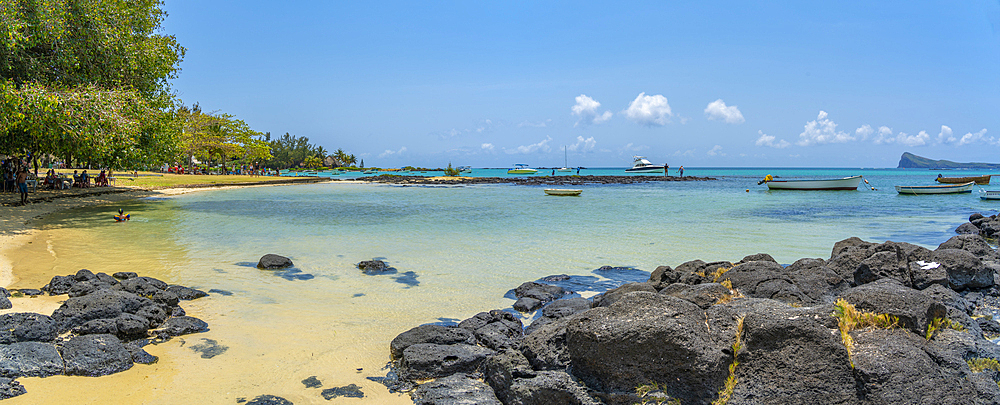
(711, 83)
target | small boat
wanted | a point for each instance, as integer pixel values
(989, 194)
(944, 189)
(641, 165)
(465, 169)
(562, 191)
(565, 162)
(957, 180)
(846, 183)
(521, 168)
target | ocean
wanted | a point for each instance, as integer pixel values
(456, 250)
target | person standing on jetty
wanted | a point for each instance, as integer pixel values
(22, 184)
(681, 171)
(666, 169)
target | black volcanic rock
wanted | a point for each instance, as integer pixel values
(272, 262)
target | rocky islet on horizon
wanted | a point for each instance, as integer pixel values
(672, 337)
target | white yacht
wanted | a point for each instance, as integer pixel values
(641, 165)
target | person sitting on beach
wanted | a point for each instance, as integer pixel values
(84, 179)
(76, 179)
(102, 180)
(50, 179)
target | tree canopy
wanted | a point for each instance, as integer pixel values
(219, 137)
(87, 79)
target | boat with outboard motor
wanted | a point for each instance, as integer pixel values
(846, 183)
(641, 165)
(521, 168)
(942, 189)
(982, 180)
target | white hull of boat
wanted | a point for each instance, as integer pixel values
(562, 192)
(648, 169)
(846, 183)
(522, 171)
(947, 189)
(989, 195)
(564, 169)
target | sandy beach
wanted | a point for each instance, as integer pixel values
(15, 221)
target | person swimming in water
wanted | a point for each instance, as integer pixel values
(122, 216)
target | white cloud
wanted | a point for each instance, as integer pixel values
(919, 139)
(689, 153)
(586, 109)
(392, 152)
(716, 150)
(768, 140)
(946, 135)
(864, 132)
(649, 110)
(582, 145)
(885, 136)
(717, 110)
(542, 146)
(972, 137)
(487, 146)
(822, 131)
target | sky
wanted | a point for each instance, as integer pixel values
(701, 84)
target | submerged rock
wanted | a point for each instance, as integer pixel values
(349, 391)
(272, 262)
(269, 400)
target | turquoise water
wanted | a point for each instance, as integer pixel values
(458, 250)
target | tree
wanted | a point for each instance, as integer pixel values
(88, 80)
(219, 137)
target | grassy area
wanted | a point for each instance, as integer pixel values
(164, 180)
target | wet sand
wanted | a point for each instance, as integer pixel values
(250, 367)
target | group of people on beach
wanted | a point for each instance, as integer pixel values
(14, 172)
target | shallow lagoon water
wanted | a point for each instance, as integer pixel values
(457, 251)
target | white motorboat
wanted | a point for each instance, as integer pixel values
(989, 194)
(563, 191)
(846, 183)
(944, 189)
(641, 165)
(521, 168)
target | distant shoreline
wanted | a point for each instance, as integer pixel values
(528, 181)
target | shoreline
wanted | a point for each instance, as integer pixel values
(16, 229)
(525, 181)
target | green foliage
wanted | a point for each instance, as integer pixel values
(219, 137)
(654, 393)
(451, 171)
(291, 151)
(937, 324)
(849, 319)
(978, 365)
(87, 79)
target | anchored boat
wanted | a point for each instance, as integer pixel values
(960, 180)
(943, 189)
(563, 191)
(521, 168)
(641, 165)
(846, 183)
(989, 194)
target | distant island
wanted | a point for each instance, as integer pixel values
(911, 161)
